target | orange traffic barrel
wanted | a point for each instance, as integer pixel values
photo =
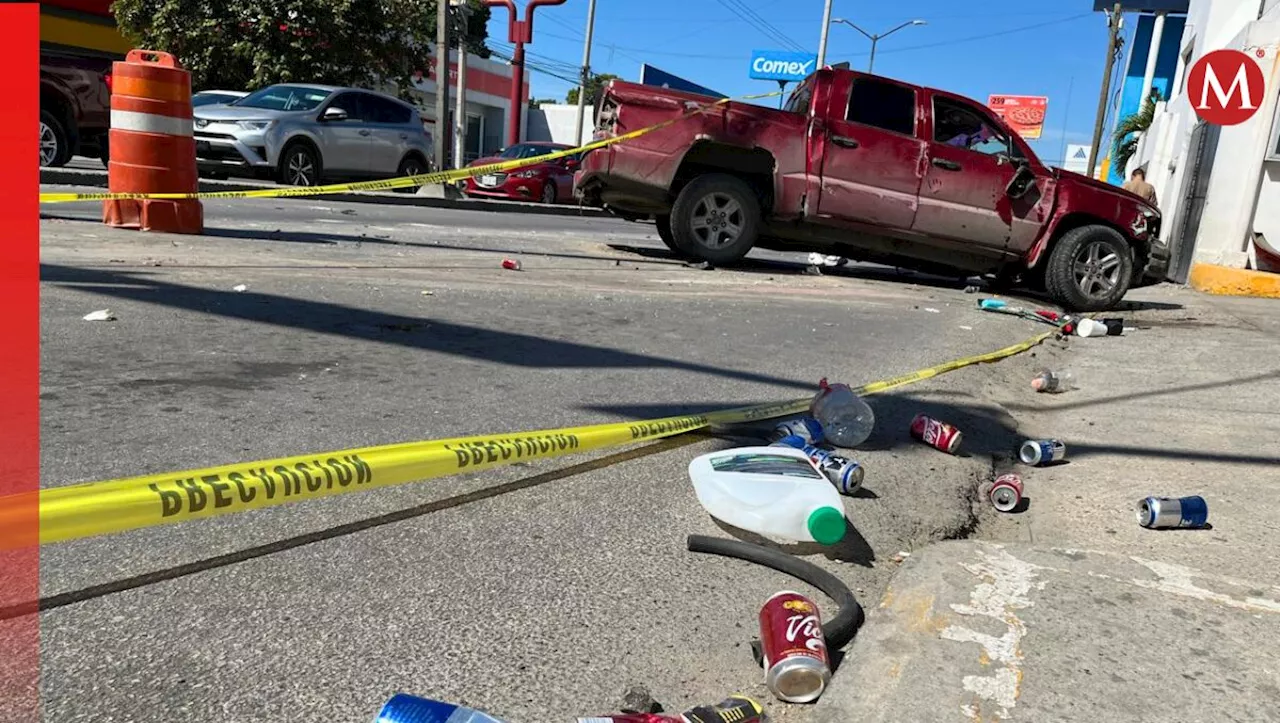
(152, 146)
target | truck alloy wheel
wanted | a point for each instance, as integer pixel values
(54, 145)
(1089, 269)
(716, 218)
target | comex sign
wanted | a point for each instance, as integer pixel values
(780, 65)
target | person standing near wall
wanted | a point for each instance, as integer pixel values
(1137, 185)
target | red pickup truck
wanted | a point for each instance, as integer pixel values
(875, 170)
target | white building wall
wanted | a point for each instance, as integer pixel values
(555, 123)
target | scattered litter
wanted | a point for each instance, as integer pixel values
(901, 557)
(1089, 327)
(428, 292)
(1115, 326)
(700, 265)
(794, 648)
(932, 310)
(1039, 452)
(807, 428)
(1163, 513)
(511, 264)
(817, 259)
(771, 491)
(846, 420)
(637, 699)
(972, 289)
(966, 328)
(1053, 382)
(936, 434)
(115, 261)
(812, 271)
(240, 287)
(101, 315)
(1006, 492)
(737, 708)
(844, 473)
(175, 243)
(405, 708)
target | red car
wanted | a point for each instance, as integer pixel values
(550, 182)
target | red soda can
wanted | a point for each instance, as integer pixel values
(511, 264)
(936, 434)
(1006, 492)
(795, 653)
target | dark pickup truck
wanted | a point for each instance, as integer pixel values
(874, 170)
(75, 106)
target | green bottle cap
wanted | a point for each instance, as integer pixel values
(826, 524)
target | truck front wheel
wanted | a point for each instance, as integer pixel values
(716, 218)
(1089, 269)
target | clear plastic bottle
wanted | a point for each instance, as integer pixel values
(404, 708)
(771, 491)
(1051, 381)
(846, 420)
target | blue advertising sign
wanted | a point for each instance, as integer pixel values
(782, 65)
(650, 75)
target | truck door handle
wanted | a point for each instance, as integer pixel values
(945, 164)
(845, 141)
(364, 133)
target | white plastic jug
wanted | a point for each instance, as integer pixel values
(772, 491)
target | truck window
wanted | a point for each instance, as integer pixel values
(799, 100)
(889, 106)
(960, 126)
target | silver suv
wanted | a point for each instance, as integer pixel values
(301, 134)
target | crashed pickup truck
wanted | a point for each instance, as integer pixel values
(874, 170)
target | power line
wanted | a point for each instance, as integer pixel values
(753, 19)
(580, 37)
(984, 36)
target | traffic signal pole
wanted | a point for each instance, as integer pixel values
(519, 32)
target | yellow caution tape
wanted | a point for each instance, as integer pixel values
(100, 508)
(388, 184)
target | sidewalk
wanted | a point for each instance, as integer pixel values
(1070, 610)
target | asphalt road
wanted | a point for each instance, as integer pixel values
(366, 324)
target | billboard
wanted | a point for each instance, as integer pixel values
(1077, 159)
(650, 75)
(1023, 113)
(782, 65)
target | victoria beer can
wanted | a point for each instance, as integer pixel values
(938, 435)
(1006, 492)
(1160, 513)
(806, 428)
(795, 653)
(1037, 452)
(844, 473)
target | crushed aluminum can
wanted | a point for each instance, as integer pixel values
(1164, 513)
(1039, 452)
(795, 653)
(807, 428)
(936, 434)
(511, 264)
(1006, 492)
(846, 474)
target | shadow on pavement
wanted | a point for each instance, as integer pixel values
(428, 334)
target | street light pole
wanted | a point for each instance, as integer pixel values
(876, 38)
(586, 71)
(460, 103)
(442, 84)
(822, 41)
(519, 32)
(1113, 23)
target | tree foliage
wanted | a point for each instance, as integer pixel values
(248, 44)
(1129, 132)
(594, 87)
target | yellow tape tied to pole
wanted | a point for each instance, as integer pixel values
(389, 184)
(100, 508)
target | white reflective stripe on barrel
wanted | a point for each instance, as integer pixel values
(128, 120)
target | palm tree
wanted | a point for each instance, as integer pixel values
(1130, 129)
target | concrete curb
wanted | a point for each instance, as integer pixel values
(1226, 281)
(98, 179)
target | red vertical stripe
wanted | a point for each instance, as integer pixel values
(19, 359)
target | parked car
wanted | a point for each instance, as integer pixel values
(305, 134)
(548, 182)
(75, 106)
(871, 169)
(216, 97)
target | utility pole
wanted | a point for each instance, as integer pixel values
(460, 104)
(586, 70)
(822, 40)
(519, 32)
(442, 83)
(1113, 22)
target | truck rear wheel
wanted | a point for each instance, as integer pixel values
(1089, 269)
(716, 218)
(663, 224)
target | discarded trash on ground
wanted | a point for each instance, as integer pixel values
(936, 433)
(734, 709)
(772, 491)
(797, 669)
(426, 292)
(101, 315)
(405, 708)
(807, 428)
(846, 419)
(1065, 322)
(1006, 492)
(240, 287)
(817, 259)
(511, 264)
(812, 270)
(932, 310)
(1039, 452)
(842, 472)
(1164, 513)
(700, 265)
(1050, 381)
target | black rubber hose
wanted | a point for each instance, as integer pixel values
(840, 629)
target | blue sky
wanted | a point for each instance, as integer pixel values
(1017, 47)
